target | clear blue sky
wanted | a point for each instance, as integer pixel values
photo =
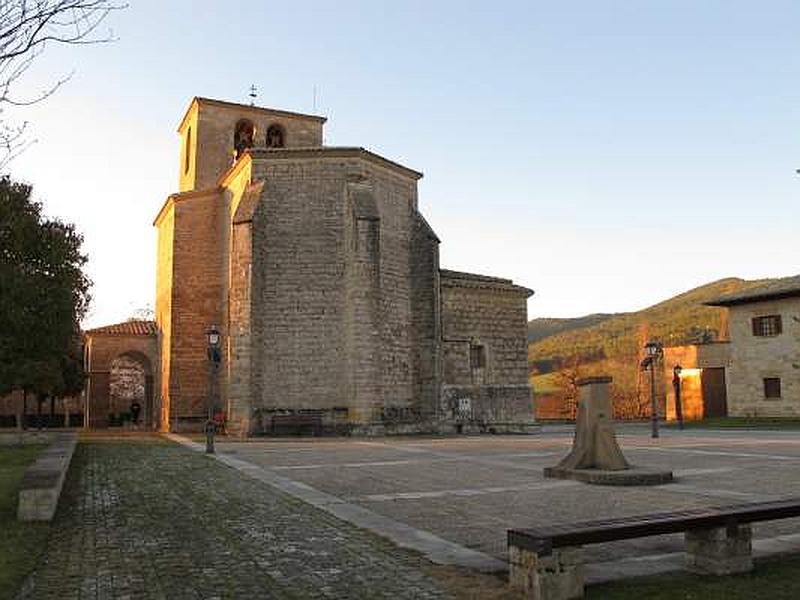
(606, 154)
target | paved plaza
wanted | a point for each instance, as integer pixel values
(145, 517)
(467, 491)
(149, 519)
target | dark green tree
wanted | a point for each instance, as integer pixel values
(44, 293)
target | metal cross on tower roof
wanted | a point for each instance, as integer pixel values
(252, 95)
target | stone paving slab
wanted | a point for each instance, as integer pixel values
(470, 490)
(150, 519)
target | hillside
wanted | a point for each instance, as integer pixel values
(545, 327)
(613, 345)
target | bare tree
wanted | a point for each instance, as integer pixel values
(567, 381)
(26, 28)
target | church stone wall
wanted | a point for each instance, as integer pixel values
(197, 257)
(489, 313)
(164, 288)
(425, 332)
(396, 197)
(243, 198)
(331, 307)
(297, 296)
(238, 365)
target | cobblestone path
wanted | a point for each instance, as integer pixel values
(150, 519)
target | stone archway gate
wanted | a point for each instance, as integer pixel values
(137, 340)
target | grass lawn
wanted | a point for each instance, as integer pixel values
(742, 422)
(20, 543)
(775, 579)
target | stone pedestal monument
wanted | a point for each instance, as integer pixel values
(596, 457)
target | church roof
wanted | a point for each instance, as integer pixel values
(132, 327)
(248, 108)
(785, 287)
(333, 152)
(471, 280)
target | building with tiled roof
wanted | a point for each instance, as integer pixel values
(759, 368)
(785, 287)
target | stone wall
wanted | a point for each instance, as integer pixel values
(487, 315)
(165, 222)
(426, 318)
(501, 408)
(331, 287)
(754, 358)
(238, 363)
(190, 299)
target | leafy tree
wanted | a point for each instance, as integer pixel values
(44, 293)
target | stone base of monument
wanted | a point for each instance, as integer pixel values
(596, 456)
(633, 475)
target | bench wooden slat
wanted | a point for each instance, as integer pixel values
(544, 539)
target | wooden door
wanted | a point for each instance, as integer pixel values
(715, 399)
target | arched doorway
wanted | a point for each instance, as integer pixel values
(121, 362)
(130, 391)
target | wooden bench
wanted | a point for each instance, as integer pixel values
(297, 424)
(547, 562)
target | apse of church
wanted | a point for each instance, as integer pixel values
(324, 279)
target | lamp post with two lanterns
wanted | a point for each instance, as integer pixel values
(654, 353)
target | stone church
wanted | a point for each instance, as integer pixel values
(323, 277)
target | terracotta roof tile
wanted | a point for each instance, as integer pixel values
(132, 327)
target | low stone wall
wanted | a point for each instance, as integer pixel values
(41, 485)
(489, 408)
(464, 409)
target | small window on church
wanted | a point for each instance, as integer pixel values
(477, 363)
(275, 137)
(477, 356)
(772, 387)
(243, 136)
(187, 151)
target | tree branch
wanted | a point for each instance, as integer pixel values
(26, 28)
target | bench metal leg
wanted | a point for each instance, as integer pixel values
(720, 551)
(557, 576)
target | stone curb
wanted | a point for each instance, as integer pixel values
(42, 482)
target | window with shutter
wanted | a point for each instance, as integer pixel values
(767, 326)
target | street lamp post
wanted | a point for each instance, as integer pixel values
(654, 352)
(214, 358)
(676, 382)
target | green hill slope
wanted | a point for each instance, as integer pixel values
(545, 327)
(613, 345)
